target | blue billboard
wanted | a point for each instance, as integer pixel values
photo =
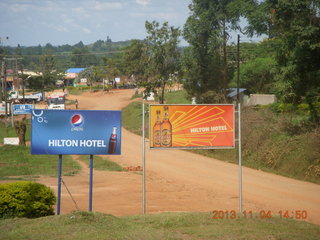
(22, 109)
(66, 132)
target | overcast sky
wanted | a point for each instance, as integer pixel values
(33, 22)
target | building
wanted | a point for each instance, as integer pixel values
(72, 74)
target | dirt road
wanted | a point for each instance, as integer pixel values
(179, 180)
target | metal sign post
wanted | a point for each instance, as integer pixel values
(91, 183)
(59, 184)
(143, 163)
(239, 158)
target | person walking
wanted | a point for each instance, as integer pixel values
(76, 103)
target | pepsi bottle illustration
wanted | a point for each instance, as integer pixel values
(113, 141)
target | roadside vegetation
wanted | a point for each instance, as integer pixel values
(16, 163)
(85, 225)
(278, 138)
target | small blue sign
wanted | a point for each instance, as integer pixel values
(75, 132)
(22, 109)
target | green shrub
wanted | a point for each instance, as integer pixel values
(26, 199)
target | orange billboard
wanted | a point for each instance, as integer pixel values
(192, 126)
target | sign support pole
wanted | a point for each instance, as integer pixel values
(12, 120)
(91, 183)
(143, 163)
(59, 184)
(239, 158)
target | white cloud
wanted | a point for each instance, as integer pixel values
(106, 5)
(86, 30)
(143, 2)
(61, 28)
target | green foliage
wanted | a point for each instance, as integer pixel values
(82, 57)
(205, 68)
(26, 199)
(258, 75)
(163, 56)
(295, 27)
(135, 58)
(66, 56)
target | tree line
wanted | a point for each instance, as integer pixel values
(286, 63)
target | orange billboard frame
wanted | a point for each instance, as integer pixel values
(185, 126)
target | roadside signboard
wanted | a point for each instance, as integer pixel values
(192, 126)
(75, 132)
(22, 109)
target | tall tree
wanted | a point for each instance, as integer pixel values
(49, 74)
(205, 61)
(135, 58)
(83, 58)
(163, 55)
(154, 61)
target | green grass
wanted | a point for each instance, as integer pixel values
(100, 163)
(165, 226)
(17, 163)
(178, 97)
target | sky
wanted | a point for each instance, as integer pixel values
(58, 22)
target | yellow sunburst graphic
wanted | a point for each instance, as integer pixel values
(201, 125)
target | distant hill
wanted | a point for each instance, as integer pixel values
(63, 56)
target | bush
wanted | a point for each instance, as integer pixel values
(26, 199)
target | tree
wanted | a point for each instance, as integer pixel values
(162, 56)
(90, 74)
(135, 58)
(295, 27)
(47, 68)
(257, 75)
(82, 57)
(112, 68)
(205, 61)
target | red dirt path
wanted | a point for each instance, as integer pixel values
(179, 180)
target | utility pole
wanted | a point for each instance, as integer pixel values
(238, 69)
(22, 78)
(3, 72)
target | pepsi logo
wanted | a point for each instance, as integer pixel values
(77, 120)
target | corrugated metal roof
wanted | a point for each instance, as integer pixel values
(75, 70)
(233, 91)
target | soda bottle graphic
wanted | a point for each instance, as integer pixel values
(157, 131)
(166, 130)
(113, 141)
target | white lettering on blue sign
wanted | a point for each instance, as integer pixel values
(76, 143)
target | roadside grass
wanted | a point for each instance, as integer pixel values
(77, 90)
(164, 226)
(132, 117)
(177, 97)
(100, 163)
(272, 142)
(16, 163)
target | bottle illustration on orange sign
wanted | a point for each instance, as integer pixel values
(166, 129)
(157, 131)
